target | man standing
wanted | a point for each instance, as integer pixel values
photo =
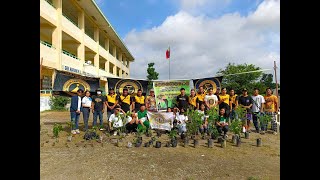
(210, 100)
(138, 100)
(75, 109)
(200, 95)
(217, 93)
(271, 108)
(234, 103)
(246, 101)
(98, 106)
(111, 102)
(224, 102)
(125, 100)
(151, 101)
(257, 108)
(193, 100)
(182, 100)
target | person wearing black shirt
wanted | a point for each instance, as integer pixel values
(98, 106)
(182, 100)
(246, 101)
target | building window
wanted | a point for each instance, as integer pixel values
(47, 82)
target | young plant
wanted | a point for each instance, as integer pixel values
(56, 130)
(70, 126)
(194, 122)
(241, 112)
(173, 134)
(236, 127)
(141, 131)
(264, 118)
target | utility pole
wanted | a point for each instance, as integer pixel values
(275, 75)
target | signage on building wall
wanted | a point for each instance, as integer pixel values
(70, 82)
(70, 69)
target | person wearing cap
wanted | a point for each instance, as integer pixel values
(182, 100)
(138, 100)
(98, 106)
(75, 110)
(112, 100)
(150, 101)
(125, 100)
(246, 101)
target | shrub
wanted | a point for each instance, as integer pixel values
(59, 102)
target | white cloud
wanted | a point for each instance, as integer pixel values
(197, 7)
(201, 45)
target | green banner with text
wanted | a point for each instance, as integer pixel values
(166, 92)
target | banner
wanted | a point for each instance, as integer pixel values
(207, 83)
(130, 84)
(69, 82)
(166, 92)
(160, 120)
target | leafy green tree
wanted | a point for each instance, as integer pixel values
(240, 81)
(152, 74)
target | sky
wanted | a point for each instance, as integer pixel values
(203, 35)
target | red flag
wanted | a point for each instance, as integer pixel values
(168, 53)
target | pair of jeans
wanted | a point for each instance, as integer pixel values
(75, 119)
(233, 115)
(182, 128)
(255, 121)
(225, 129)
(95, 114)
(86, 114)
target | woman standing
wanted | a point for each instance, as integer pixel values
(86, 106)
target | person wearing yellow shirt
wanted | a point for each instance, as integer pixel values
(125, 100)
(151, 101)
(200, 95)
(193, 100)
(138, 100)
(233, 104)
(271, 108)
(111, 102)
(224, 101)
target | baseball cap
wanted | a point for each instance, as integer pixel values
(151, 90)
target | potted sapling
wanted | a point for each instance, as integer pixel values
(173, 137)
(140, 132)
(57, 128)
(70, 127)
(235, 127)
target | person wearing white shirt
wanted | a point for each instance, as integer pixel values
(204, 127)
(257, 108)
(211, 100)
(86, 106)
(115, 120)
(181, 122)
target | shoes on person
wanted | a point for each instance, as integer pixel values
(73, 132)
(275, 133)
(115, 133)
(262, 132)
(101, 129)
(77, 131)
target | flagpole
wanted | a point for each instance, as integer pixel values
(169, 68)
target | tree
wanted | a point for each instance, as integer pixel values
(240, 81)
(267, 80)
(152, 74)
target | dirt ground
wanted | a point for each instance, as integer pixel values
(80, 159)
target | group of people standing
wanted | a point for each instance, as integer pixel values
(138, 106)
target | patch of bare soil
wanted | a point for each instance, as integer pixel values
(81, 159)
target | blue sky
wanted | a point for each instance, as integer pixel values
(203, 35)
(125, 15)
